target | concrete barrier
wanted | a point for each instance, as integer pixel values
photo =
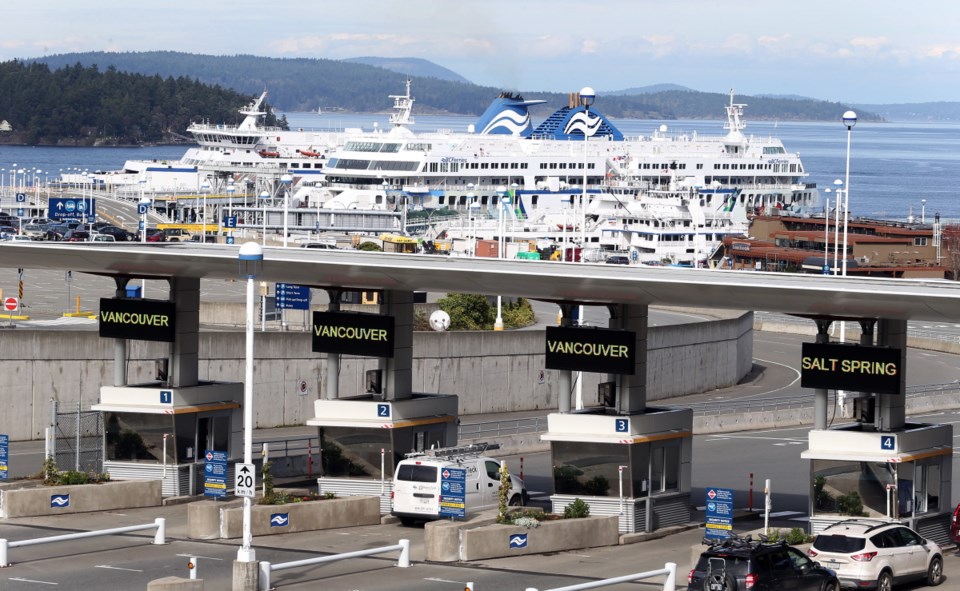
(175, 584)
(482, 537)
(80, 498)
(210, 520)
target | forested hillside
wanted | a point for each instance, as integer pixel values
(307, 84)
(77, 105)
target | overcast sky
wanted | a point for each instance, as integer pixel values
(855, 51)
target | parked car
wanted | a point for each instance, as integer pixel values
(955, 525)
(154, 235)
(103, 238)
(8, 230)
(118, 234)
(741, 564)
(18, 238)
(618, 260)
(875, 554)
(76, 235)
(177, 235)
(34, 231)
(56, 231)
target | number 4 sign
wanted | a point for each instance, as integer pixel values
(888, 442)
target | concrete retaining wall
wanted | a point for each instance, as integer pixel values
(489, 371)
(211, 520)
(483, 538)
(106, 496)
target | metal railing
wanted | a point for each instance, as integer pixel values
(266, 568)
(158, 538)
(669, 570)
(492, 429)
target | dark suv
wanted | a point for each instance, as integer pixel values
(739, 564)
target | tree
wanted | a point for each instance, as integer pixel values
(468, 311)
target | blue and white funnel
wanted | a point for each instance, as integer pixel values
(507, 115)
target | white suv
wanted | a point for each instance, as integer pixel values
(875, 554)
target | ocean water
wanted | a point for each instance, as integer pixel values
(893, 166)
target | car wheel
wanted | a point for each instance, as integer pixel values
(935, 572)
(885, 582)
(516, 501)
(831, 586)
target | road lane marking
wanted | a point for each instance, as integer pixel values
(32, 581)
(132, 570)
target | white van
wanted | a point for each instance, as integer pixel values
(418, 480)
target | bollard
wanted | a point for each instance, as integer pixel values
(3, 553)
(160, 537)
(404, 561)
(671, 583)
(264, 583)
(192, 567)
(469, 587)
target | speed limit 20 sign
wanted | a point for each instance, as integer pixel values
(245, 480)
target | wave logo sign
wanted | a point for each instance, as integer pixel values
(59, 501)
(279, 520)
(518, 541)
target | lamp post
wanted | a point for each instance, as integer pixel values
(286, 180)
(204, 189)
(923, 211)
(826, 233)
(587, 96)
(836, 227)
(471, 211)
(849, 119)
(250, 264)
(263, 197)
(502, 192)
(231, 189)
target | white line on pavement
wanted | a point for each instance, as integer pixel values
(32, 581)
(132, 570)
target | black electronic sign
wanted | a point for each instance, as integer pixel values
(851, 367)
(138, 319)
(352, 333)
(600, 350)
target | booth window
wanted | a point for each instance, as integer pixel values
(349, 451)
(858, 489)
(137, 437)
(665, 467)
(591, 469)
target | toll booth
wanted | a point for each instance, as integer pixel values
(155, 432)
(901, 475)
(635, 466)
(363, 438)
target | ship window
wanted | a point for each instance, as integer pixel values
(390, 148)
(483, 200)
(441, 199)
(513, 165)
(563, 165)
(523, 166)
(294, 165)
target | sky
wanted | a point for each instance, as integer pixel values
(851, 51)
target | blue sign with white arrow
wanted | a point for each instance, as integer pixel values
(292, 296)
(70, 208)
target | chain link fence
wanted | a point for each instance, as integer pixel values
(77, 438)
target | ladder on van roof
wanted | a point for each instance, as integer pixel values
(474, 449)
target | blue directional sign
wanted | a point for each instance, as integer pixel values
(453, 492)
(142, 208)
(21, 197)
(292, 296)
(59, 501)
(166, 396)
(719, 513)
(4, 449)
(70, 208)
(622, 425)
(230, 221)
(19, 212)
(230, 240)
(215, 474)
(383, 411)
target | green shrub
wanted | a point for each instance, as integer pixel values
(597, 486)
(850, 504)
(73, 477)
(576, 510)
(797, 536)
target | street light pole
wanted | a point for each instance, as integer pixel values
(502, 192)
(204, 189)
(849, 120)
(286, 181)
(587, 96)
(836, 227)
(251, 262)
(263, 197)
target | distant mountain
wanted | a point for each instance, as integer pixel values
(301, 84)
(647, 89)
(411, 66)
(938, 111)
(789, 97)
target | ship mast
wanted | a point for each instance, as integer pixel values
(403, 105)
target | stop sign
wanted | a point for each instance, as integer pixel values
(10, 304)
